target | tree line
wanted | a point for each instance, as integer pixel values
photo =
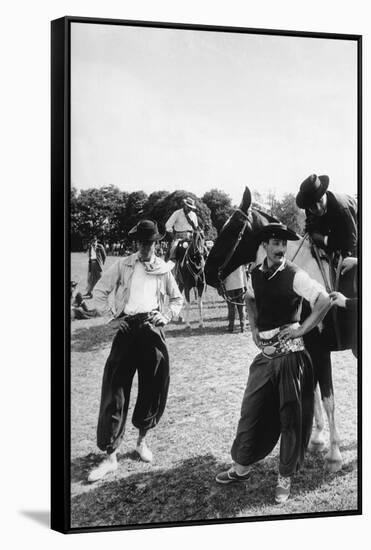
(110, 213)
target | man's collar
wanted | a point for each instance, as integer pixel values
(151, 261)
(272, 271)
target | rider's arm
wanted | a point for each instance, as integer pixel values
(194, 218)
(170, 222)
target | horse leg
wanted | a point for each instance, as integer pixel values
(201, 321)
(187, 307)
(317, 441)
(321, 359)
(333, 456)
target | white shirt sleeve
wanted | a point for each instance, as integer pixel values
(249, 288)
(306, 287)
(171, 221)
(193, 217)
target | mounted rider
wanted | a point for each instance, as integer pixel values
(331, 221)
(331, 218)
(182, 223)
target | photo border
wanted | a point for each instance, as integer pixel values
(60, 268)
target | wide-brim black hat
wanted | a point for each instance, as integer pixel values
(311, 190)
(145, 230)
(277, 231)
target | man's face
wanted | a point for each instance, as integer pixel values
(319, 208)
(146, 249)
(276, 250)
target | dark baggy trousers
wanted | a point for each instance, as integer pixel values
(278, 400)
(94, 274)
(141, 349)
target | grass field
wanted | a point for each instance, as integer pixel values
(209, 369)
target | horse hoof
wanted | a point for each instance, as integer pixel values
(316, 446)
(333, 466)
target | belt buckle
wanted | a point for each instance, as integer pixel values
(269, 350)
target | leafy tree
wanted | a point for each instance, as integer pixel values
(97, 212)
(288, 213)
(152, 201)
(220, 206)
(134, 210)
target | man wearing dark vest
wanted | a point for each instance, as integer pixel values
(279, 395)
(182, 223)
(331, 218)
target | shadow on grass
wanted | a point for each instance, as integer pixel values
(91, 338)
(186, 492)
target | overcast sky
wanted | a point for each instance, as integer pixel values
(165, 109)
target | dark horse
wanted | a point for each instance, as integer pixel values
(237, 245)
(189, 271)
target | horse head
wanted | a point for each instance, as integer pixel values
(236, 243)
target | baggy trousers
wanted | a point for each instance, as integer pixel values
(278, 400)
(141, 349)
(94, 274)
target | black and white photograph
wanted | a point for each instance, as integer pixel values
(213, 192)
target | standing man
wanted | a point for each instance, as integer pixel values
(331, 218)
(278, 399)
(97, 257)
(140, 283)
(182, 223)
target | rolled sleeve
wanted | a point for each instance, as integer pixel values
(306, 287)
(104, 287)
(170, 222)
(175, 297)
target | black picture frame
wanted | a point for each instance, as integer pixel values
(61, 268)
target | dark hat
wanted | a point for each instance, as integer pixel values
(187, 201)
(145, 230)
(277, 231)
(311, 190)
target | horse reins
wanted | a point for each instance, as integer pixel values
(223, 290)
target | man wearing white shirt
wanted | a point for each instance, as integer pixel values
(140, 283)
(182, 223)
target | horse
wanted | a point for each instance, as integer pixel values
(189, 271)
(237, 245)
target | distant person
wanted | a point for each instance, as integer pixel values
(140, 283)
(97, 257)
(181, 224)
(79, 309)
(235, 286)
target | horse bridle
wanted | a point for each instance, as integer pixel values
(195, 269)
(222, 289)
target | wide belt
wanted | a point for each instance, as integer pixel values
(138, 319)
(273, 346)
